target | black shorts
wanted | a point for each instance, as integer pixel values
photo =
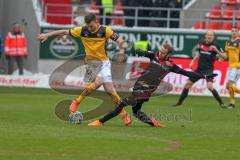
(207, 72)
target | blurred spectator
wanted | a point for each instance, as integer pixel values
(1, 44)
(160, 13)
(117, 14)
(142, 44)
(106, 8)
(179, 3)
(15, 47)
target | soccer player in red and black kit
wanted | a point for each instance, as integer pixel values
(160, 65)
(206, 54)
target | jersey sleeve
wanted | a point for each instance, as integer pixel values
(75, 32)
(150, 54)
(181, 71)
(111, 34)
(197, 48)
(142, 53)
(175, 68)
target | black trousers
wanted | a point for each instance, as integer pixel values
(19, 60)
(136, 101)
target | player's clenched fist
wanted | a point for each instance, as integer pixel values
(42, 37)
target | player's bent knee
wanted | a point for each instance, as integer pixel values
(210, 88)
(94, 85)
(109, 89)
(188, 85)
(97, 83)
(229, 85)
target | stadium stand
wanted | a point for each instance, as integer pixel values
(230, 1)
(215, 25)
(62, 8)
(118, 12)
(238, 14)
(226, 26)
(132, 13)
(125, 12)
(93, 7)
(221, 16)
(215, 12)
(228, 12)
(200, 25)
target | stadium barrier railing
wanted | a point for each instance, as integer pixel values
(160, 17)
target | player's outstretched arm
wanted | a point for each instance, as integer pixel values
(181, 71)
(44, 36)
(190, 74)
(219, 52)
(122, 45)
(223, 55)
(121, 57)
(196, 57)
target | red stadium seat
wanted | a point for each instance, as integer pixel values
(119, 8)
(229, 2)
(93, 8)
(215, 12)
(200, 25)
(216, 25)
(228, 12)
(118, 11)
(58, 11)
(117, 21)
(227, 26)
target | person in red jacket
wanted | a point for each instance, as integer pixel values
(15, 48)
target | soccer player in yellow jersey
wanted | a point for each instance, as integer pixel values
(94, 38)
(232, 50)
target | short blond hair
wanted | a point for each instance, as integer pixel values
(168, 47)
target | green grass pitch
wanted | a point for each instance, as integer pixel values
(29, 130)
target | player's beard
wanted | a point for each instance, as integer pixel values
(164, 58)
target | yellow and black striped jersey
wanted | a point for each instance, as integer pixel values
(232, 48)
(94, 43)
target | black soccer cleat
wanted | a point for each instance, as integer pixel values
(223, 106)
(177, 105)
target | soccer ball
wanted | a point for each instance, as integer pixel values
(75, 117)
